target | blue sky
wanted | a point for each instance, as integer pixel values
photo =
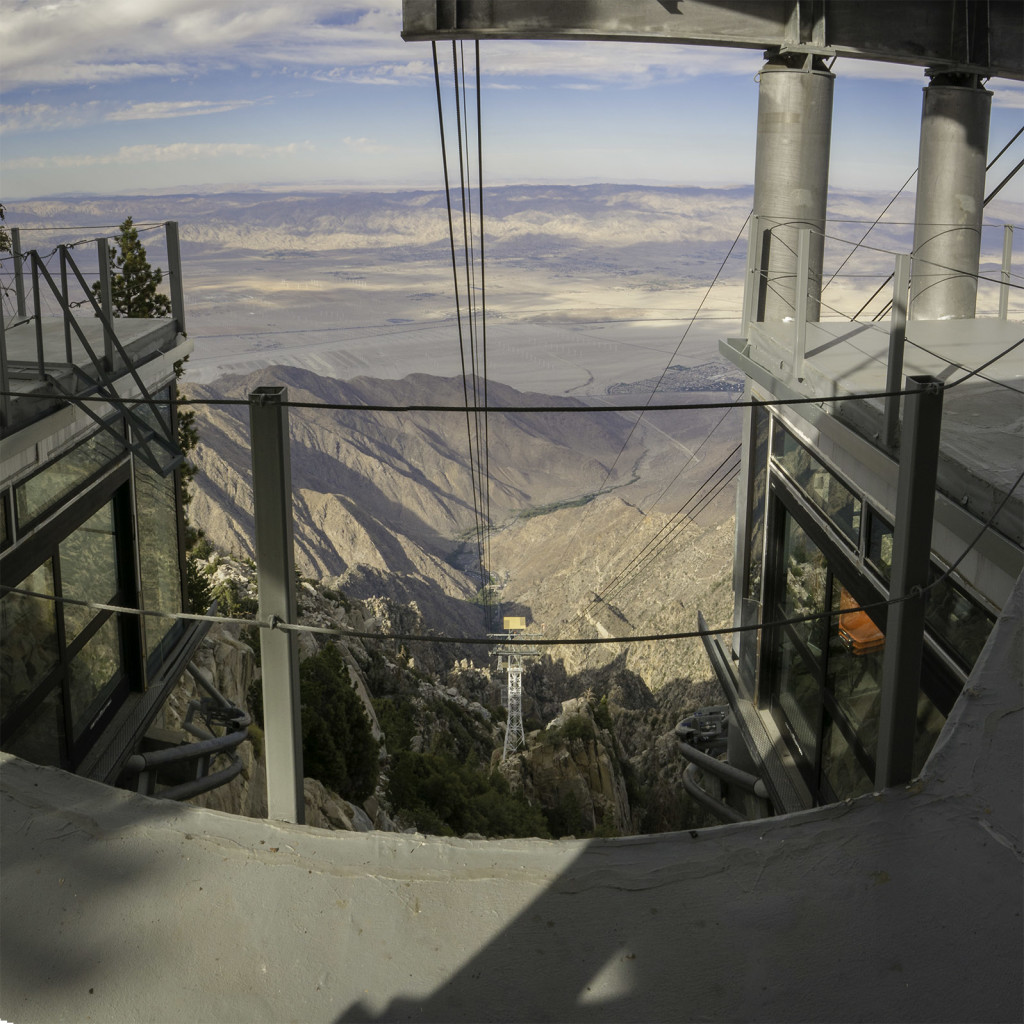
(112, 96)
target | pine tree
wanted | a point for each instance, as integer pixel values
(133, 293)
(133, 282)
(5, 235)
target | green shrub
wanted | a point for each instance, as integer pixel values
(338, 746)
(577, 727)
(200, 593)
(444, 797)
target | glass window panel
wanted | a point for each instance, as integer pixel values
(806, 573)
(799, 697)
(856, 650)
(757, 503)
(841, 766)
(98, 662)
(40, 738)
(958, 622)
(930, 721)
(879, 547)
(157, 519)
(88, 569)
(799, 655)
(60, 478)
(822, 487)
(29, 629)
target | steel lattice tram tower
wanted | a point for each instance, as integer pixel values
(512, 658)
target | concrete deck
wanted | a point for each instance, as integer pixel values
(900, 906)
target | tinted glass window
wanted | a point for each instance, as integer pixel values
(60, 478)
(957, 621)
(820, 485)
(29, 628)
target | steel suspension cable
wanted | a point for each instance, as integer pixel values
(455, 278)
(483, 307)
(468, 263)
(632, 431)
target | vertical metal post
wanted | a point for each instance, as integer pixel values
(64, 298)
(174, 273)
(19, 271)
(912, 541)
(764, 262)
(106, 302)
(752, 280)
(275, 559)
(37, 311)
(1004, 288)
(897, 340)
(5, 380)
(803, 256)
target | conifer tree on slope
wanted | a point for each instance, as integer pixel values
(133, 282)
(133, 293)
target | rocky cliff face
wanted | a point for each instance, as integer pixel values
(588, 538)
(572, 767)
(594, 537)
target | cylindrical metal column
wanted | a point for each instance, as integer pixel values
(950, 198)
(794, 130)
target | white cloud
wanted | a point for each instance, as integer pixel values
(185, 108)
(103, 40)
(177, 151)
(364, 145)
(1008, 94)
(35, 117)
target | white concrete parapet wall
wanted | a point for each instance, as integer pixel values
(899, 906)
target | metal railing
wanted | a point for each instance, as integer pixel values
(195, 759)
(94, 301)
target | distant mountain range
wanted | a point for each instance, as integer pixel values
(383, 502)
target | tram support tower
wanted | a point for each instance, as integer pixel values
(511, 657)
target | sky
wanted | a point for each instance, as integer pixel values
(115, 96)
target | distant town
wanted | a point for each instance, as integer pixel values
(711, 376)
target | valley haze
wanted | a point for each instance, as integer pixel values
(587, 286)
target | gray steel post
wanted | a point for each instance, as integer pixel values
(106, 302)
(752, 281)
(275, 559)
(950, 199)
(37, 313)
(65, 301)
(5, 380)
(803, 256)
(19, 271)
(911, 558)
(174, 273)
(897, 341)
(1004, 287)
(794, 126)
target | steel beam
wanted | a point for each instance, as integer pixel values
(275, 560)
(980, 36)
(911, 560)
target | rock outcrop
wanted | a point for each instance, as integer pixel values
(572, 768)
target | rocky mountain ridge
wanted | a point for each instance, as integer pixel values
(383, 503)
(591, 763)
